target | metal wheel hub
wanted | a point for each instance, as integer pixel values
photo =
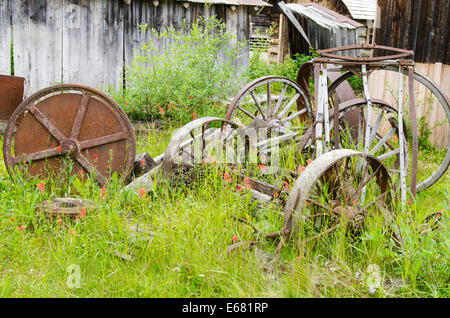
(70, 146)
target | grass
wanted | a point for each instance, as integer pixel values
(192, 225)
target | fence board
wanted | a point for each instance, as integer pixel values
(383, 83)
(89, 41)
(5, 38)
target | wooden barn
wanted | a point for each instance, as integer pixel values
(90, 41)
(422, 26)
(357, 15)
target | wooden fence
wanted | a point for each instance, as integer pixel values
(383, 83)
(90, 41)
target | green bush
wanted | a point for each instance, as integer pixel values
(192, 76)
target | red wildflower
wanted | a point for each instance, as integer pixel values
(161, 111)
(239, 187)
(214, 162)
(41, 187)
(142, 192)
(21, 228)
(286, 186)
(102, 193)
(83, 212)
(307, 202)
(58, 148)
(301, 168)
(220, 173)
(354, 202)
(247, 182)
(226, 176)
(185, 107)
(95, 157)
(275, 194)
(142, 162)
(59, 221)
(81, 172)
(263, 158)
(409, 202)
(177, 203)
(194, 116)
(234, 238)
(126, 103)
(71, 231)
(309, 161)
(262, 167)
(439, 215)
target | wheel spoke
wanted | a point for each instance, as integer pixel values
(46, 123)
(258, 104)
(293, 116)
(280, 100)
(90, 143)
(80, 115)
(246, 112)
(44, 154)
(288, 106)
(383, 141)
(269, 99)
(375, 128)
(82, 160)
(389, 154)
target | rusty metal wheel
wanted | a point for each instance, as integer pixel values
(69, 127)
(330, 194)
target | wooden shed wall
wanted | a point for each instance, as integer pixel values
(419, 25)
(90, 41)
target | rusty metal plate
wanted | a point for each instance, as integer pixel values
(11, 95)
(76, 123)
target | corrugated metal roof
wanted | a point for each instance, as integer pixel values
(361, 9)
(325, 18)
(253, 3)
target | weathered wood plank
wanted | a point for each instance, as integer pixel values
(37, 42)
(5, 38)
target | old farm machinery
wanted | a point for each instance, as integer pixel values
(356, 148)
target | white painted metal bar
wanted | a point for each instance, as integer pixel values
(401, 138)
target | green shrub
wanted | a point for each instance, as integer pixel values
(192, 76)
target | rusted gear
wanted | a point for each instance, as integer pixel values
(69, 122)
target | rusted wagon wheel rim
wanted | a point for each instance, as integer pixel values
(69, 124)
(332, 191)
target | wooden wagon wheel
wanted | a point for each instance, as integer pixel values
(328, 194)
(69, 122)
(286, 114)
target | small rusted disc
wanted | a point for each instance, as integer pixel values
(71, 122)
(63, 207)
